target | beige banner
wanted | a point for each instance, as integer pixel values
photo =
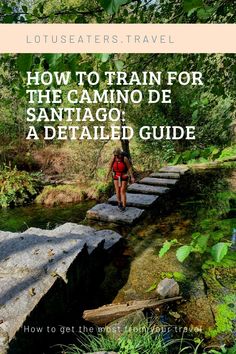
(118, 38)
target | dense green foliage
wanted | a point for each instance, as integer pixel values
(210, 153)
(16, 187)
(211, 248)
(211, 241)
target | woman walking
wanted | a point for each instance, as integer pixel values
(121, 170)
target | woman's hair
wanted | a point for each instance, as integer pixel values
(117, 151)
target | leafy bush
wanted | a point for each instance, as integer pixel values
(103, 189)
(197, 155)
(210, 153)
(228, 152)
(17, 187)
(211, 242)
(199, 244)
(99, 189)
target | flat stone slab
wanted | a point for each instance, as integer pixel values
(165, 175)
(110, 213)
(30, 263)
(182, 169)
(136, 200)
(147, 189)
(158, 181)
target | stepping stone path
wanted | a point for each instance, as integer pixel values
(181, 169)
(165, 175)
(147, 189)
(136, 200)
(110, 213)
(159, 181)
(140, 196)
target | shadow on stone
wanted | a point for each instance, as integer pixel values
(57, 318)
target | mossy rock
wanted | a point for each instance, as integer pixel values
(221, 289)
(225, 314)
(60, 194)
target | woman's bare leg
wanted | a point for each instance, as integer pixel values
(123, 193)
(118, 191)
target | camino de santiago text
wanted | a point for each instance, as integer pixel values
(79, 109)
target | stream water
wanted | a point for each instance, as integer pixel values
(21, 218)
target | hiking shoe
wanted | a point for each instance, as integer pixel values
(123, 209)
(120, 207)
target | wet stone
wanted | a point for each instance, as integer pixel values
(174, 175)
(110, 213)
(136, 200)
(158, 181)
(167, 288)
(182, 169)
(198, 309)
(147, 189)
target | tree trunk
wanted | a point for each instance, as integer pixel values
(124, 142)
